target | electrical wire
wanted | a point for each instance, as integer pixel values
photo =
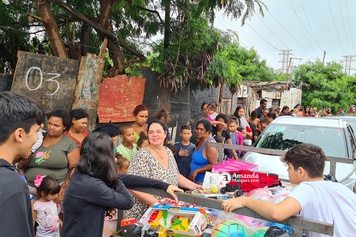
(282, 43)
(337, 32)
(290, 35)
(301, 25)
(246, 46)
(321, 32)
(348, 17)
(311, 29)
(343, 22)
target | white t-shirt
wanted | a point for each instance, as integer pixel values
(328, 202)
(243, 122)
(47, 219)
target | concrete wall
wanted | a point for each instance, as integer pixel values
(5, 82)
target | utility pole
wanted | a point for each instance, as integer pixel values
(324, 57)
(289, 71)
(285, 57)
(347, 63)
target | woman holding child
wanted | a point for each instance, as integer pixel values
(155, 161)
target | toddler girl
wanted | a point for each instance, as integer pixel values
(212, 107)
(45, 210)
(237, 138)
(142, 141)
(122, 163)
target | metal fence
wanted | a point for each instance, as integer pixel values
(298, 224)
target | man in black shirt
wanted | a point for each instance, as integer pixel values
(259, 110)
(20, 120)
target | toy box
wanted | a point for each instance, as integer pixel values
(179, 221)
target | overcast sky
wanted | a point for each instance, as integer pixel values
(307, 27)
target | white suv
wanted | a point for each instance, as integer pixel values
(334, 136)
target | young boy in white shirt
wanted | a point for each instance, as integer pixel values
(313, 198)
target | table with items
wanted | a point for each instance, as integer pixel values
(229, 179)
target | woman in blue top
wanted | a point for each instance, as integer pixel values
(204, 156)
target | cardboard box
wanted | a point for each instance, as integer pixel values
(180, 220)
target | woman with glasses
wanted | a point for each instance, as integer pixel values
(204, 156)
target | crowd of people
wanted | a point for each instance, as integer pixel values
(73, 181)
(66, 182)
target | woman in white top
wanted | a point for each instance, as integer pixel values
(240, 115)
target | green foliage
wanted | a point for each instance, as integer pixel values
(235, 64)
(13, 31)
(190, 52)
(325, 86)
(236, 9)
(188, 55)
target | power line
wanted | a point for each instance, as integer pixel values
(272, 32)
(290, 35)
(311, 29)
(348, 17)
(262, 37)
(246, 46)
(319, 28)
(343, 22)
(337, 32)
(301, 24)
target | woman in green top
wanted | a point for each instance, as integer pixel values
(58, 153)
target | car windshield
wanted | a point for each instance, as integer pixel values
(283, 137)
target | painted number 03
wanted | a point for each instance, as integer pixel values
(52, 79)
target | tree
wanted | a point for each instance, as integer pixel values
(188, 50)
(233, 64)
(325, 86)
(76, 27)
(13, 33)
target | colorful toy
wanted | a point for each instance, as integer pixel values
(128, 226)
(156, 222)
(165, 215)
(230, 228)
(179, 223)
(153, 216)
(183, 221)
(149, 231)
(234, 165)
(259, 232)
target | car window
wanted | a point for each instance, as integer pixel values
(352, 140)
(283, 137)
(353, 125)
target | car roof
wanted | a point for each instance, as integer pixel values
(345, 118)
(310, 121)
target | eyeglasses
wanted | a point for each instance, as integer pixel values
(200, 129)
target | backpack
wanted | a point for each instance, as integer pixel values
(275, 231)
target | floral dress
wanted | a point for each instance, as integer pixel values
(145, 164)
